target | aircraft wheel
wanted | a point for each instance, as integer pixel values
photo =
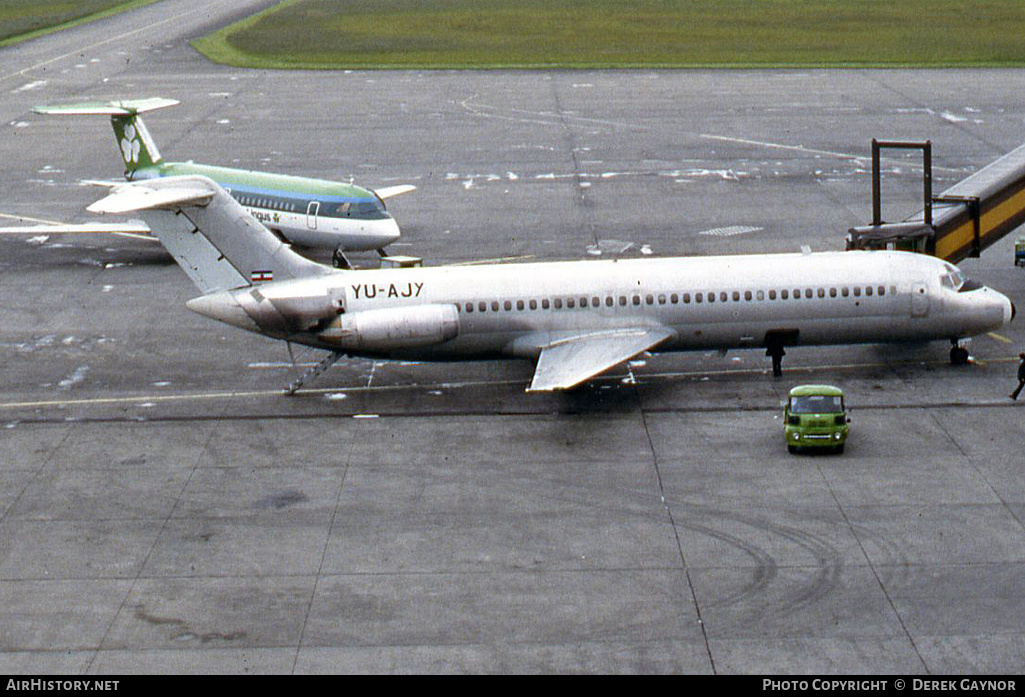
(959, 355)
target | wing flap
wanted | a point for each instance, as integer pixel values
(568, 362)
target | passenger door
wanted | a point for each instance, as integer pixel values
(311, 214)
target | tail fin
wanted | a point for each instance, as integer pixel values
(134, 141)
(215, 241)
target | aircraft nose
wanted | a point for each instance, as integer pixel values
(389, 230)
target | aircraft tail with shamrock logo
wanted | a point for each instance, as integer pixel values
(136, 145)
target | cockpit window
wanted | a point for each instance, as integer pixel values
(957, 281)
(953, 279)
(370, 209)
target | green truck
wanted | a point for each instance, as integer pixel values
(815, 417)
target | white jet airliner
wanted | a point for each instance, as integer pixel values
(575, 319)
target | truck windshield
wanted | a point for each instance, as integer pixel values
(816, 404)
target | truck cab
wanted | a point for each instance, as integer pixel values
(815, 416)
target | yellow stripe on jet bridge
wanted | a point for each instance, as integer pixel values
(964, 235)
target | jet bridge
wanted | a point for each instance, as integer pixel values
(960, 222)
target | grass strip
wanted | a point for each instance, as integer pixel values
(417, 34)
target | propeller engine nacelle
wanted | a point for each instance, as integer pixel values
(393, 328)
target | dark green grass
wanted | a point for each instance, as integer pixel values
(23, 19)
(624, 33)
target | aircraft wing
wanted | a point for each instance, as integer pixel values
(139, 197)
(389, 191)
(138, 228)
(567, 362)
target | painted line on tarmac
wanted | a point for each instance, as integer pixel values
(165, 398)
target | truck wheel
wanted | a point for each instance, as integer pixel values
(791, 449)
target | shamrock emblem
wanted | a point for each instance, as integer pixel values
(130, 146)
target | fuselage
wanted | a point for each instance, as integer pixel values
(721, 302)
(304, 211)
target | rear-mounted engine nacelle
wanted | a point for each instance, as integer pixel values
(274, 310)
(393, 328)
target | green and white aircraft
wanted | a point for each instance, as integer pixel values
(316, 213)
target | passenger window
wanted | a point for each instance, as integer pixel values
(832, 292)
(507, 304)
(784, 294)
(772, 295)
(519, 304)
(570, 303)
(723, 296)
(761, 295)
(868, 290)
(595, 302)
(711, 297)
(494, 306)
(609, 302)
(544, 303)
(650, 299)
(807, 292)
(674, 299)
(637, 300)
(822, 292)
(747, 295)
(845, 291)
(697, 297)
(469, 307)
(686, 298)
(482, 306)
(622, 300)
(661, 300)
(857, 291)
(558, 303)
(736, 296)
(882, 290)
(533, 304)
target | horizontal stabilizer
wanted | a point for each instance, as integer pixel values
(390, 191)
(568, 362)
(139, 197)
(122, 107)
(211, 236)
